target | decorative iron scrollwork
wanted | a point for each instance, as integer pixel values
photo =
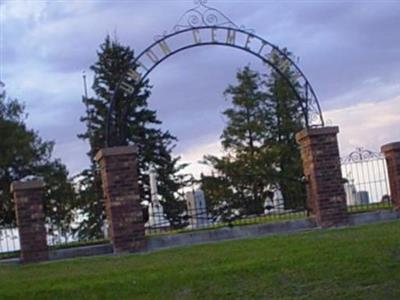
(200, 25)
(203, 15)
(361, 154)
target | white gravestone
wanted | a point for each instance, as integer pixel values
(362, 197)
(156, 211)
(274, 204)
(351, 192)
(197, 208)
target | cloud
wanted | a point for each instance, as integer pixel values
(73, 154)
(368, 124)
(350, 53)
(194, 155)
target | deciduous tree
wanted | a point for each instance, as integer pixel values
(23, 153)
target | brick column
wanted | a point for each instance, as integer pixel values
(392, 155)
(28, 197)
(321, 163)
(118, 167)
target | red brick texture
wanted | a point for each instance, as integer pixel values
(321, 163)
(118, 167)
(392, 156)
(28, 197)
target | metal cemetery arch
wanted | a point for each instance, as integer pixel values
(204, 26)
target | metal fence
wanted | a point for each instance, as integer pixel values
(10, 243)
(367, 185)
(9, 240)
(199, 214)
(57, 238)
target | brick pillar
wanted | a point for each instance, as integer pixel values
(118, 167)
(28, 197)
(326, 197)
(392, 155)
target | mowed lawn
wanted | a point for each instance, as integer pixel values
(351, 263)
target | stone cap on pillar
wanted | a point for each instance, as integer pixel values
(114, 151)
(390, 147)
(26, 185)
(313, 131)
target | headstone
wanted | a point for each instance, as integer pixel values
(156, 211)
(274, 203)
(351, 192)
(362, 197)
(197, 208)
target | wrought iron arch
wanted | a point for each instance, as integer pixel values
(209, 20)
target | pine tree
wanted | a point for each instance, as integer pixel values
(288, 119)
(90, 205)
(245, 167)
(259, 140)
(133, 123)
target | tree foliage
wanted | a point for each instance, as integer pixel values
(243, 139)
(133, 122)
(261, 153)
(288, 119)
(22, 154)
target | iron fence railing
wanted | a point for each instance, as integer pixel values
(366, 187)
(9, 240)
(199, 222)
(57, 238)
(366, 181)
(198, 216)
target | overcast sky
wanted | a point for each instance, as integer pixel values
(349, 50)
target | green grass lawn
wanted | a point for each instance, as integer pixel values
(352, 263)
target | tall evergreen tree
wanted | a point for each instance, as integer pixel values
(134, 123)
(245, 166)
(288, 119)
(259, 139)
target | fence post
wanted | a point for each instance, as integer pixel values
(321, 165)
(392, 156)
(118, 166)
(28, 197)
